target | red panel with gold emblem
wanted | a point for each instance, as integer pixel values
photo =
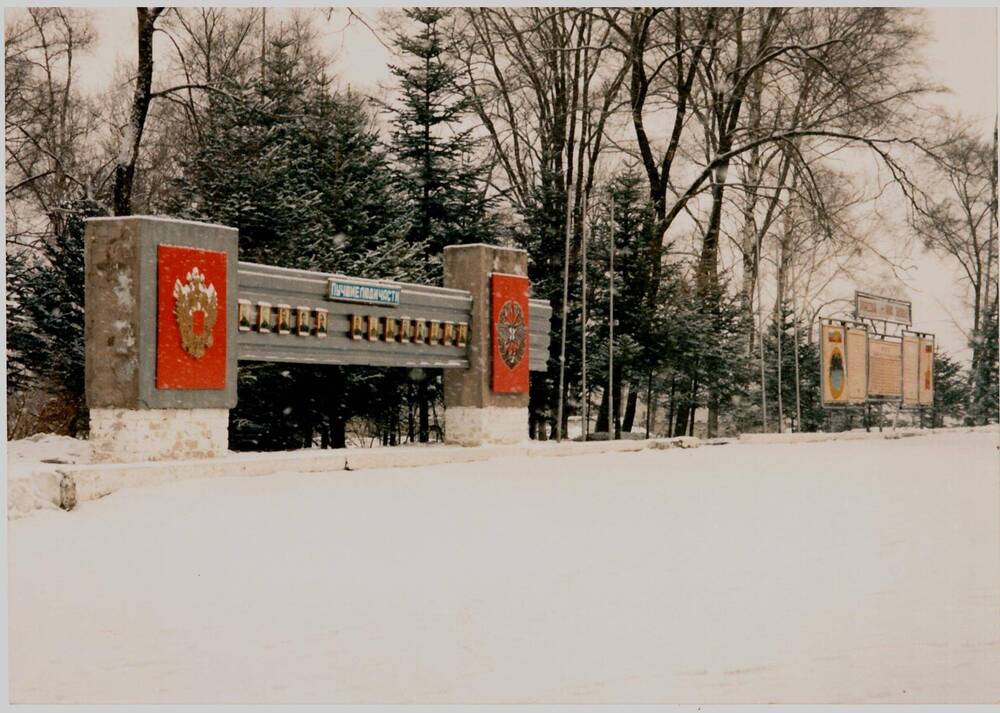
(190, 318)
(510, 333)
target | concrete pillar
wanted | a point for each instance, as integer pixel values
(474, 413)
(160, 337)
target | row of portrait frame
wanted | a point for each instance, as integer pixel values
(858, 366)
(265, 318)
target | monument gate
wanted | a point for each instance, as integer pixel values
(170, 311)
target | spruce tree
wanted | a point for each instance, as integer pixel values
(300, 171)
(789, 329)
(45, 317)
(951, 391)
(985, 405)
(439, 173)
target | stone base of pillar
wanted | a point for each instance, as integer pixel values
(135, 435)
(468, 426)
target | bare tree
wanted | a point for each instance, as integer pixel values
(210, 48)
(857, 65)
(544, 83)
(47, 124)
(827, 79)
(128, 154)
(956, 218)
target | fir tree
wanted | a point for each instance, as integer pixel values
(636, 354)
(45, 315)
(985, 393)
(438, 171)
(299, 170)
(790, 329)
(951, 390)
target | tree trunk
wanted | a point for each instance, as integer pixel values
(708, 264)
(616, 404)
(424, 428)
(694, 407)
(680, 426)
(393, 426)
(335, 409)
(670, 414)
(602, 412)
(650, 411)
(628, 420)
(712, 427)
(684, 411)
(411, 432)
(708, 284)
(128, 153)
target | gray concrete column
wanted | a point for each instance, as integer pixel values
(143, 408)
(474, 413)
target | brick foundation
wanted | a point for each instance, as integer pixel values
(472, 426)
(136, 435)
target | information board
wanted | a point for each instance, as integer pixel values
(863, 361)
(833, 375)
(857, 365)
(885, 368)
(925, 387)
(884, 309)
(911, 369)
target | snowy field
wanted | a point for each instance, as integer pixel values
(827, 572)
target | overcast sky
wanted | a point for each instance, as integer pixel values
(961, 55)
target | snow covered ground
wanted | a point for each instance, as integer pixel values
(823, 572)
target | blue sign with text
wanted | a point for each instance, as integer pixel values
(342, 291)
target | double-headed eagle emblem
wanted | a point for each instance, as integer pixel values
(196, 308)
(512, 336)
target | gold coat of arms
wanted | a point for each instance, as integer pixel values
(512, 333)
(196, 308)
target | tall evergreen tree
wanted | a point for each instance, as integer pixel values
(789, 329)
(45, 318)
(299, 170)
(440, 176)
(437, 171)
(985, 392)
(635, 352)
(951, 390)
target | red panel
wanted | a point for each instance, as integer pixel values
(190, 318)
(510, 333)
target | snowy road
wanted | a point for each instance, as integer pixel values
(829, 572)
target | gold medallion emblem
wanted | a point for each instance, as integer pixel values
(512, 333)
(196, 307)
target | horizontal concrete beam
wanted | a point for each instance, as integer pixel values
(273, 286)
